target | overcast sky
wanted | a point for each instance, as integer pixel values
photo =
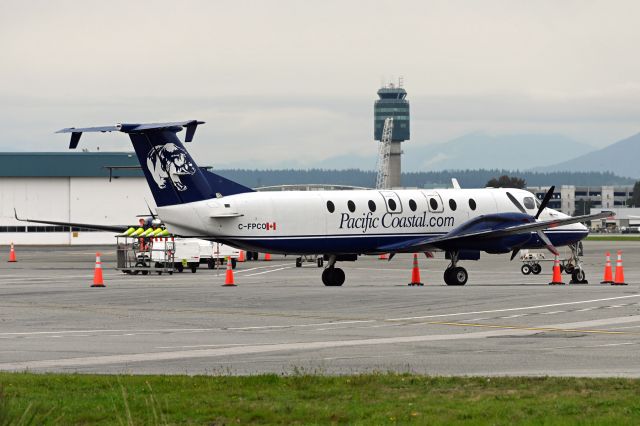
(295, 80)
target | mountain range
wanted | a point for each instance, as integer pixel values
(534, 152)
(474, 151)
(621, 158)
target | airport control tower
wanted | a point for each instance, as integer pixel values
(393, 103)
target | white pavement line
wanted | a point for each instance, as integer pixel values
(612, 344)
(268, 272)
(512, 309)
(552, 312)
(630, 326)
(283, 347)
(166, 330)
(241, 271)
(587, 309)
(88, 275)
(263, 327)
(199, 346)
(514, 316)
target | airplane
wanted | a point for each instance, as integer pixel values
(342, 225)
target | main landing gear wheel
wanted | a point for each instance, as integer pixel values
(525, 269)
(333, 277)
(456, 276)
(578, 277)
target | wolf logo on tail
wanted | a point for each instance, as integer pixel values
(173, 176)
(169, 161)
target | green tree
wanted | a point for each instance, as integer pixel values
(635, 198)
(583, 207)
(505, 181)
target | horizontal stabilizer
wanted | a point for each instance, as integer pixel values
(76, 132)
(97, 227)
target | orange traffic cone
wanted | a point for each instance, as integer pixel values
(383, 256)
(415, 272)
(228, 279)
(12, 254)
(608, 276)
(267, 257)
(619, 279)
(241, 256)
(557, 275)
(97, 273)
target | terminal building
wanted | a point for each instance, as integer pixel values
(393, 103)
(578, 200)
(98, 188)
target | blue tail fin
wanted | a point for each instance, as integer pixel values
(173, 176)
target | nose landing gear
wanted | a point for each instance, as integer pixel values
(455, 275)
(576, 270)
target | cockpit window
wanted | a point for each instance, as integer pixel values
(529, 203)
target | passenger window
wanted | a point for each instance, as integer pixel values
(372, 206)
(412, 205)
(351, 206)
(453, 205)
(472, 204)
(331, 207)
(529, 203)
(433, 203)
(392, 205)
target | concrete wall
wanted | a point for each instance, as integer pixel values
(71, 199)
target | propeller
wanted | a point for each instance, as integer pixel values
(548, 243)
(514, 253)
(545, 201)
(516, 203)
(541, 235)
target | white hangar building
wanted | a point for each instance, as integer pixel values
(82, 187)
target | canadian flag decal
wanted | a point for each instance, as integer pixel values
(271, 226)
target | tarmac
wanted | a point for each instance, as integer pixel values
(281, 319)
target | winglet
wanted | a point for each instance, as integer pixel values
(455, 183)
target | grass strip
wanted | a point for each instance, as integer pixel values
(612, 238)
(366, 399)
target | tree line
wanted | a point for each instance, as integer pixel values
(442, 179)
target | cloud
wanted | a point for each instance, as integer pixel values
(295, 81)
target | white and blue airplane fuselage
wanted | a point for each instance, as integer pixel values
(351, 221)
(193, 202)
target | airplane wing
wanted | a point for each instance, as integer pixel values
(110, 228)
(421, 244)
